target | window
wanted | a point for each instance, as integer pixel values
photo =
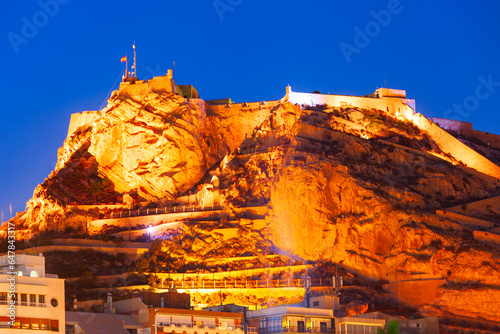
(3, 298)
(24, 299)
(13, 296)
(32, 300)
(44, 324)
(41, 299)
(25, 323)
(274, 324)
(34, 273)
(315, 304)
(19, 273)
(35, 323)
(54, 302)
(54, 325)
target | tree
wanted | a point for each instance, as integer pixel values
(392, 328)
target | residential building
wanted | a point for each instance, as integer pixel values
(102, 323)
(191, 322)
(33, 298)
(360, 324)
(324, 300)
(292, 319)
(169, 320)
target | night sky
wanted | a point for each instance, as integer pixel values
(63, 57)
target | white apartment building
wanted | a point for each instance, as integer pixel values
(30, 299)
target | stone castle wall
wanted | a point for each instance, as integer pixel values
(466, 129)
(84, 118)
(394, 106)
(449, 144)
(140, 88)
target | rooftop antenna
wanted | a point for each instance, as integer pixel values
(134, 72)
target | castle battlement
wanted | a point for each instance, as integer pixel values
(138, 89)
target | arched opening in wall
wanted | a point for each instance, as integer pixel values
(34, 273)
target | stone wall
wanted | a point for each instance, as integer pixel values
(80, 119)
(449, 144)
(395, 106)
(98, 243)
(464, 220)
(486, 236)
(486, 207)
(132, 252)
(96, 225)
(466, 129)
(140, 88)
(99, 207)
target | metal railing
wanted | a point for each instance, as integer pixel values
(245, 284)
(181, 208)
(20, 303)
(161, 211)
(171, 326)
(295, 329)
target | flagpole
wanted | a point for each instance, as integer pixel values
(126, 66)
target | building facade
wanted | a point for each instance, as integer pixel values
(287, 319)
(31, 299)
(361, 324)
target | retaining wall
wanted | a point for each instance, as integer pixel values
(487, 236)
(486, 207)
(99, 206)
(465, 220)
(96, 225)
(98, 243)
(132, 252)
(235, 274)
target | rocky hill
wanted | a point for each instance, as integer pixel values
(357, 187)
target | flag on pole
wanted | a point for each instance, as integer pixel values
(124, 59)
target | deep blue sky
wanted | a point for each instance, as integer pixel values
(436, 50)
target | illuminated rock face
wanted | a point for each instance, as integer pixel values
(155, 147)
(333, 188)
(366, 204)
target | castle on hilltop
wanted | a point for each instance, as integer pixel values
(392, 101)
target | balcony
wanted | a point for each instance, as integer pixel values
(193, 328)
(20, 303)
(295, 329)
